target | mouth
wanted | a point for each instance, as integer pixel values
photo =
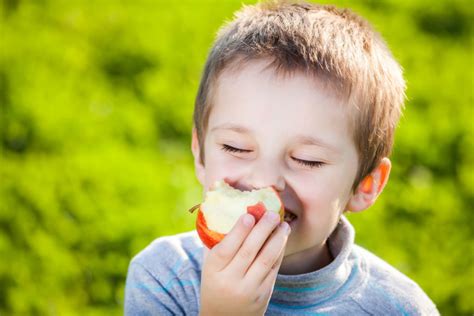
(290, 217)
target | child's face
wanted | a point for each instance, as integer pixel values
(286, 132)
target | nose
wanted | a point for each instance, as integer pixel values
(264, 175)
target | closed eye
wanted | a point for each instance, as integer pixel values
(307, 163)
(234, 149)
(311, 164)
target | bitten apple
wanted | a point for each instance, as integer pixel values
(224, 205)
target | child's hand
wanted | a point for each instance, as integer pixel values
(239, 273)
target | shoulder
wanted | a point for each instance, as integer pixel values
(164, 278)
(388, 291)
(171, 255)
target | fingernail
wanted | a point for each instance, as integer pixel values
(248, 220)
(273, 217)
(286, 227)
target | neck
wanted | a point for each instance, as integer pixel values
(306, 261)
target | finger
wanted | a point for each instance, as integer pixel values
(269, 281)
(265, 289)
(223, 253)
(269, 255)
(253, 243)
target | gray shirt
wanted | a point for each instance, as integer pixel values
(165, 279)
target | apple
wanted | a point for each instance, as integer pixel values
(224, 205)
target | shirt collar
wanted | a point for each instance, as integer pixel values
(317, 286)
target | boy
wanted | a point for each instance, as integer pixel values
(304, 98)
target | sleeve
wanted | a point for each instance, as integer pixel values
(145, 295)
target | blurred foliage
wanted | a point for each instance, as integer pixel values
(96, 101)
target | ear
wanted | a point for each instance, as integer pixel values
(370, 187)
(198, 166)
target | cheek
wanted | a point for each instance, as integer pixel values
(325, 193)
(220, 165)
(322, 206)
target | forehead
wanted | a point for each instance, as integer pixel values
(258, 98)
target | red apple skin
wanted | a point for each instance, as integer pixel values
(257, 210)
(209, 237)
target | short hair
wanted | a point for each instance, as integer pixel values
(330, 43)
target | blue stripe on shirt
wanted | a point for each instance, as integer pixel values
(302, 289)
(350, 280)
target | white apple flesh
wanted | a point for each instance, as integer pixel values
(224, 205)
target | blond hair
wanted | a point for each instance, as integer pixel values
(324, 41)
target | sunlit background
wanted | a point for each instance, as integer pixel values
(96, 101)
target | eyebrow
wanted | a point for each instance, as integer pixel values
(233, 127)
(309, 140)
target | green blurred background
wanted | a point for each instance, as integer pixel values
(96, 101)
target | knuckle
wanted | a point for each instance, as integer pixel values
(246, 252)
(220, 285)
(261, 298)
(221, 252)
(223, 287)
(267, 263)
(275, 265)
(240, 292)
